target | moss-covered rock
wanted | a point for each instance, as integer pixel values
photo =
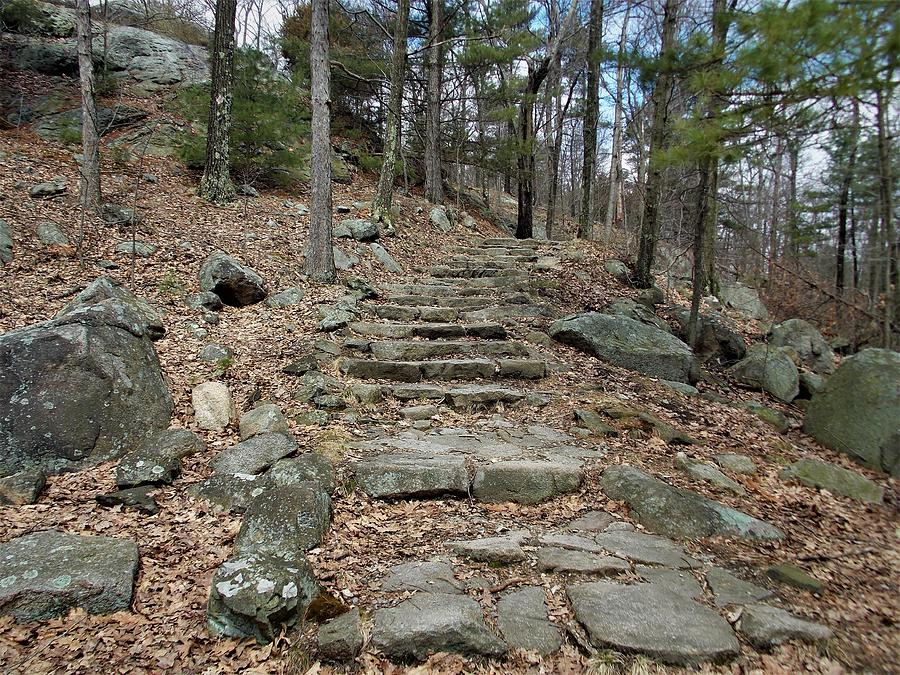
(858, 411)
(835, 479)
(769, 369)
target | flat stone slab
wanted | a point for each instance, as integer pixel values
(47, 573)
(650, 619)
(675, 512)
(418, 350)
(404, 476)
(428, 623)
(474, 395)
(231, 492)
(736, 463)
(592, 521)
(429, 577)
(284, 521)
(523, 621)
(554, 559)
(730, 590)
(765, 626)
(836, 479)
(503, 550)
(646, 548)
(525, 481)
(705, 471)
(430, 331)
(792, 575)
(677, 581)
(255, 454)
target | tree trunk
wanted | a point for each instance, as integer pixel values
(591, 112)
(434, 188)
(886, 209)
(90, 135)
(319, 251)
(659, 132)
(525, 155)
(707, 209)
(381, 208)
(615, 162)
(844, 201)
(216, 185)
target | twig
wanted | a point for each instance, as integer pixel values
(837, 556)
(503, 585)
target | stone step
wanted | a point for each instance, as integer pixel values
(474, 256)
(462, 397)
(415, 313)
(448, 272)
(430, 331)
(481, 262)
(510, 312)
(513, 242)
(438, 289)
(447, 369)
(502, 255)
(418, 350)
(476, 286)
(471, 302)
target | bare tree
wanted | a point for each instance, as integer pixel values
(216, 183)
(659, 131)
(90, 135)
(591, 113)
(319, 250)
(381, 208)
(615, 162)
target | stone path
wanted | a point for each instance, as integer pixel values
(445, 341)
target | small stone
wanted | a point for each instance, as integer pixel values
(766, 626)
(246, 191)
(680, 387)
(794, 576)
(255, 454)
(236, 284)
(205, 300)
(141, 249)
(736, 463)
(344, 261)
(286, 298)
(502, 550)
(213, 407)
(419, 412)
(310, 467)
(359, 229)
(438, 216)
(231, 492)
(213, 353)
(729, 590)
(48, 189)
(263, 419)
(313, 418)
(23, 487)
(707, 472)
(366, 394)
(341, 640)
(107, 265)
(522, 618)
(594, 422)
(137, 498)
(381, 254)
(49, 234)
(115, 214)
(429, 577)
(285, 520)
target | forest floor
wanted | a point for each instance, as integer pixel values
(851, 547)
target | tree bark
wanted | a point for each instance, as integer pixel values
(886, 209)
(615, 162)
(381, 208)
(659, 133)
(90, 135)
(434, 187)
(844, 201)
(591, 113)
(216, 185)
(319, 251)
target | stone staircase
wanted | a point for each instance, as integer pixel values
(449, 340)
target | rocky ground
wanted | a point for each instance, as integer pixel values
(501, 501)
